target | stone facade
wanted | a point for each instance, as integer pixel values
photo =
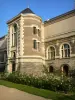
(32, 39)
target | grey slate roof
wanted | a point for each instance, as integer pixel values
(60, 16)
(27, 10)
(3, 43)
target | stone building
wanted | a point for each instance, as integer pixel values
(3, 53)
(33, 43)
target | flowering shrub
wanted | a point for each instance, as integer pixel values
(3, 75)
(49, 82)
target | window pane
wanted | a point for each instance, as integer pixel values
(54, 55)
(34, 30)
(51, 53)
(65, 50)
(66, 53)
(15, 39)
(66, 46)
(12, 39)
(15, 28)
(38, 32)
(62, 53)
(34, 44)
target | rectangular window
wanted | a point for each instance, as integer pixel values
(34, 30)
(38, 44)
(12, 39)
(34, 44)
(15, 39)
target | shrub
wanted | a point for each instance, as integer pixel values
(49, 81)
(3, 75)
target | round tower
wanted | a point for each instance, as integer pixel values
(31, 41)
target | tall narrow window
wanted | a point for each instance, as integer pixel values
(12, 39)
(15, 39)
(13, 54)
(15, 28)
(65, 50)
(34, 44)
(14, 35)
(39, 33)
(34, 30)
(51, 53)
(38, 46)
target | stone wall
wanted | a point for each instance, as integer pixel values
(58, 42)
(34, 68)
(57, 63)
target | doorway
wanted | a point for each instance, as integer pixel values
(13, 66)
(65, 69)
(51, 69)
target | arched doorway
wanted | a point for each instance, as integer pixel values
(65, 69)
(51, 69)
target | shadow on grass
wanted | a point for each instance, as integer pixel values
(66, 97)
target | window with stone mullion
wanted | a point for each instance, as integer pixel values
(51, 54)
(65, 51)
(34, 44)
(15, 39)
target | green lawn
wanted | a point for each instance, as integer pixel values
(40, 92)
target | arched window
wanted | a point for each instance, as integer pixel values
(14, 35)
(51, 53)
(65, 50)
(51, 69)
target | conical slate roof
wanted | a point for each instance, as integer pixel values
(27, 10)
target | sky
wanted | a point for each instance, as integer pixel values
(46, 9)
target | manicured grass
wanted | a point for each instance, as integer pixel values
(40, 92)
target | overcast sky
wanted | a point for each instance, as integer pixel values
(45, 8)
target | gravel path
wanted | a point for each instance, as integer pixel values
(14, 94)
